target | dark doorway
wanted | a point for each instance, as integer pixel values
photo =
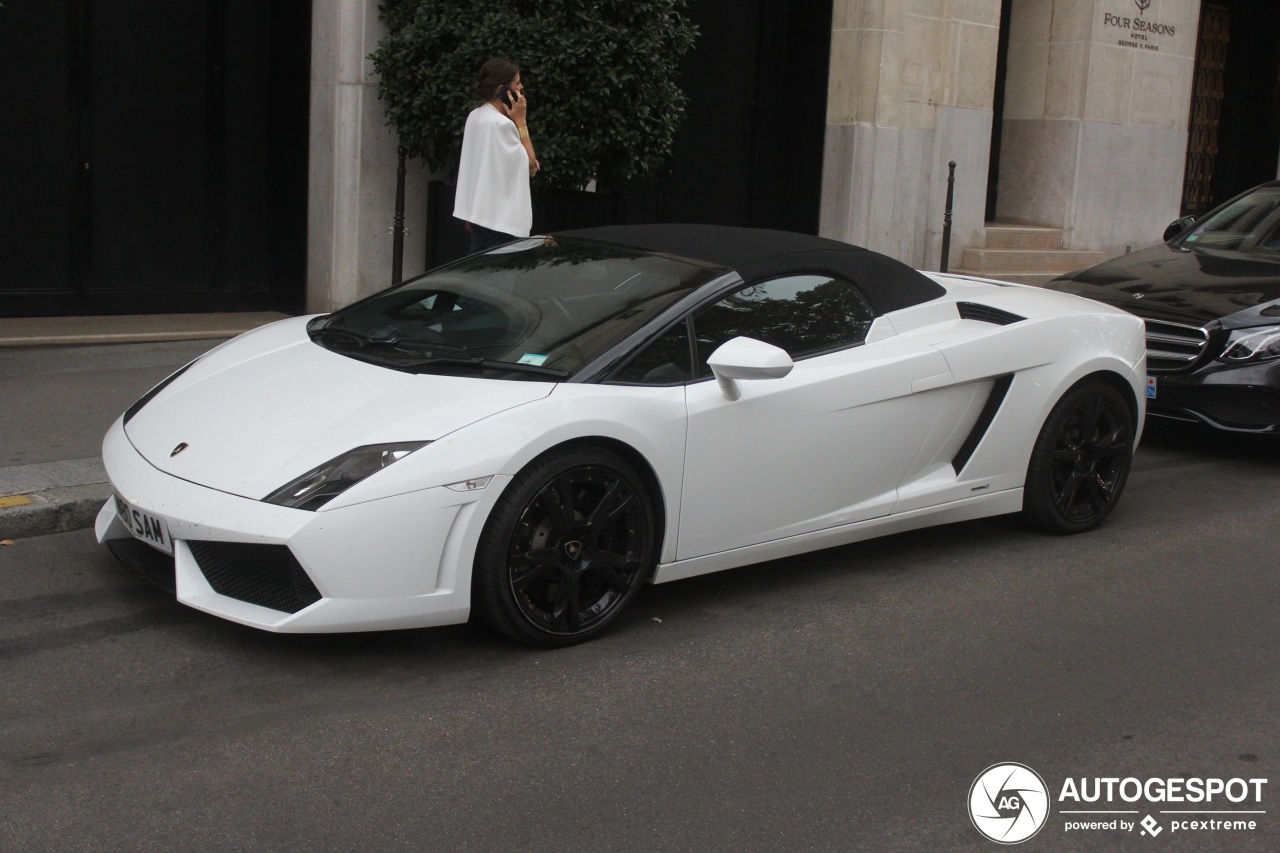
(997, 114)
(155, 156)
(750, 150)
(1234, 134)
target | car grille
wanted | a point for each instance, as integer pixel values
(1172, 346)
(265, 575)
(1239, 407)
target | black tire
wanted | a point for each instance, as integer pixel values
(565, 549)
(1080, 461)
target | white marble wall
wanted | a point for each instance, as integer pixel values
(353, 163)
(911, 88)
(1095, 118)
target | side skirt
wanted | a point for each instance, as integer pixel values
(968, 509)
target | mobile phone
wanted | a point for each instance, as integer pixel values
(504, 94)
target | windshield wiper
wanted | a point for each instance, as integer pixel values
(358, 337)
(364, 340)
(486, 363)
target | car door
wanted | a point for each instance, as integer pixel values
(825, 445)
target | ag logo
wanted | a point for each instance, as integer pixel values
(1008, 803)
(1143, 5)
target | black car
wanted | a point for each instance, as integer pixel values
(1210, 297)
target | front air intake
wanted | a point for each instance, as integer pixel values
(265, 575)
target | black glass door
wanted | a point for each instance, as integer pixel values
(152, 149)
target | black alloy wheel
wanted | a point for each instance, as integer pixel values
(1081, 460)
(565, 549)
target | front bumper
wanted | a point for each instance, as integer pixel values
(1235, 398)
(398, 562)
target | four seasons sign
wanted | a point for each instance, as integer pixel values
(1137, 30)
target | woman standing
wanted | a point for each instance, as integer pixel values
(497, 160)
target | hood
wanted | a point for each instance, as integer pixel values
(271, 405)
(1192, 286)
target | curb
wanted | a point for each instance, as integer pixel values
(51, 497)
(54, 511)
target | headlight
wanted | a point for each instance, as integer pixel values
(1252, 345)
(324, 483)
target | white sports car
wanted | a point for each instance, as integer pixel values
(531, 434)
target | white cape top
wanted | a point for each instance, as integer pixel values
(493, 176)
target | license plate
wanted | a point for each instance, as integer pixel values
(149, 528)
(1151, 387)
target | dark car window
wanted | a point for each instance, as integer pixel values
(1248, 224)
(803, 314)
(664, 362)
(542, 307)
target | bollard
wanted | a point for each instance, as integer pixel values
(946, 216)
(397, 229)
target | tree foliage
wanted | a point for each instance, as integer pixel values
(601, 76)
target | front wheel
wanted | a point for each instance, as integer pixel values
(565, 549)
(1080, 461)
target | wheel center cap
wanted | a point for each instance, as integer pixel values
(574, 549)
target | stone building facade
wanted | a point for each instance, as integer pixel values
(1093, 119)
(1069, 114)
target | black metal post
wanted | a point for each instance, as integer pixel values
(946, 216)
(397, 229)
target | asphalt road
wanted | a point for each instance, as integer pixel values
(844, 700)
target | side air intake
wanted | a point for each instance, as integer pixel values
(985, 417)
(986, 314)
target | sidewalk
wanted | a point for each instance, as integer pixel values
(127, 328)
(55, 497)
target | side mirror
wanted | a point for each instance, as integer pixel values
(1177, 227)
(747, 358)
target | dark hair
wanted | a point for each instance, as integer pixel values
(493, 74)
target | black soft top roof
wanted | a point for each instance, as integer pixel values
(757, 253)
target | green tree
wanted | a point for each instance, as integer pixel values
(601, 76)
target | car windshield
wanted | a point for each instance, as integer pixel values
(539, 308)
(1248, 224)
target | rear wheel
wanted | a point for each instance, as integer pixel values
(1081, 460)
(566, 548)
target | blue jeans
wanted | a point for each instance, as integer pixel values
(483, 238)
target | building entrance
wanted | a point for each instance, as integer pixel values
(1234, 134)
(750, 149)
(154, 157)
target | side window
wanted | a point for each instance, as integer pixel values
(803, 314)
(663, 362)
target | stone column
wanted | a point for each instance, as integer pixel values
(911, 89)
(352, 189)
(1096, 107)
